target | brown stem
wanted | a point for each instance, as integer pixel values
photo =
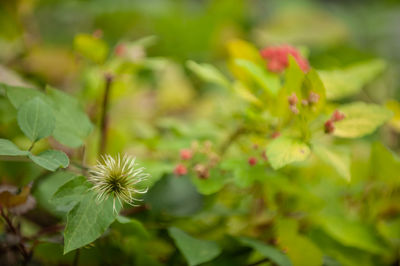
(25, 254)
(104, 118)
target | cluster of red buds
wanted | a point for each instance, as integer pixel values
(201, 169)
(312, 99)
(278, 58)
(253, 160)
(329, 124)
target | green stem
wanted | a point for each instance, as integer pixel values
(104, 118)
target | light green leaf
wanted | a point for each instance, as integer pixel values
(270, 252)
(339, 159)
(352, 233)
(72, 123)
(50, 159)
(19, 95)
(270, 82)
(36, 119)
(284, 150)
(92, 48)
(195, 251)
(208, 73)
(69, 194)
(7, 148)
(87, 221)
(361, 119)
(350, 80)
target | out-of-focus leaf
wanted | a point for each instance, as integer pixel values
(270, 252)
(385, 164)
(195, 251)
(208, 73)
(87, 221)
(360, 119)
(268, 81)
(92, 48)
(284, 150)
(8, 148)
(51, 159)
(36, 119)
(349, 81)
(175, 196)
(339, 159)
(19, 95)
(352, 233)
(128, 226)
(69, 194)
(72, 123)
(300, 249)
(215, 182)
(394, 106)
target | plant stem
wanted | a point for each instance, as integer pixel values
(32, 145)
(104, 118)
(25, 254)
(259, 262)
(76, 257)
(224, 147)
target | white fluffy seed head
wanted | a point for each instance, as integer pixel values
(119, 178)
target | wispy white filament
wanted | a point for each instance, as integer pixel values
(117, 177)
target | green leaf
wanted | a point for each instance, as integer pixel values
(270, 82)
(208, 73)
(352, 233)
(128, 226)
(50, 159)
(294, 77)
(350, 80)
(36, 119)
(19, 95)
(339, 159)
(87, 221)
(284, 150)
(92, 48)
(195, 251)
(7, 148)
(175, 196)
(300, 249)
(72, 123)
(215, 182)
(270, 252)
(361, 119)
(69, 194)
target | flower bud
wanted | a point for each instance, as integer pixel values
(329, 127)
(337, 116)
(202, 171)
(292, 99)
(186, 154)
(313, 97)
(294, 109)
(252, 161)
(180, 170)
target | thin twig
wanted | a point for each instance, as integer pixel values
(224, 147)
(104, 109)
(76, 257)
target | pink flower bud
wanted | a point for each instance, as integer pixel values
(180, 170)
(313, 97)
(294, 109)
(186, 154)
(337, 116)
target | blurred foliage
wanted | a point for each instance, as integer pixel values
(247, 166)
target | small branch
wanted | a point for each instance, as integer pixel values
(224, 147)
(25, 254)
(104, 118)
(259, 262)
(32, 145)
(76, 257)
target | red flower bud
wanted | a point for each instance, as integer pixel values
(337, 116)
(252, 161)
(180, 170)
(186, 154)
(329, 127)
(277, 58)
